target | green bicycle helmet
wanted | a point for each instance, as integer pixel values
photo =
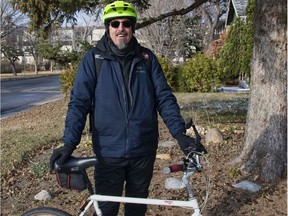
(119, 9)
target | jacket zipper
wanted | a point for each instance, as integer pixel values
(126, 108)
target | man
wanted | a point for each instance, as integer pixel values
(123, 98)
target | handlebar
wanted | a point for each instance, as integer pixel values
(191, 163)
(174, 168)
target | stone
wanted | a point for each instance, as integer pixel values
(42, 195)
(213, 136)
(174, 183)
(247, 185)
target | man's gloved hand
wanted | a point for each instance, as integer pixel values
(188, 144)
(62, 154)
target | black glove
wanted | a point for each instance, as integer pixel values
(188, 144)
(62, 153)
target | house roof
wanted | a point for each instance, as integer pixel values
(240, 7)
(237, 8)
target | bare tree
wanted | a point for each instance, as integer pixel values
(83, 31)
(211, 13)
(174, 36)
(180, 35)
(12, 21)
(174, 12)
(162, 37)
(30, 46)
(265, 149)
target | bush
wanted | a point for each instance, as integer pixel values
(169, 71)
(236, 54)
(6, 67)
(198, 74)
(66, 79)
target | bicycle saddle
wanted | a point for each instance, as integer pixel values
(75, 164)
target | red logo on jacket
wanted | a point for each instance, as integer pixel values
(145, 55)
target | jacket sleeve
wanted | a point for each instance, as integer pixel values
(167, 105)
(81, 100)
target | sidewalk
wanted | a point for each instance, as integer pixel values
(28, 74)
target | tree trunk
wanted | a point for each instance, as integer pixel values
(265, 145)
(51, 66)
(13, 68)
(36, 67)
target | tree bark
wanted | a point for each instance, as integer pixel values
(265, 144)
(14, 72)
(36, 62)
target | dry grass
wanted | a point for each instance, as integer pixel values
(24, 132)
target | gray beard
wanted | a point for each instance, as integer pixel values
(122, 45)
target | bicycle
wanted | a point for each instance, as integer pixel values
(191, 164)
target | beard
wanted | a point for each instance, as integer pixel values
(122, 45)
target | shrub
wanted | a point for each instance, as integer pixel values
(198, 74)
(169, 71)
(236, 54)
(66, 79)
(6, 67)
(71, 60)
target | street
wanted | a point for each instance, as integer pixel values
(21, 94)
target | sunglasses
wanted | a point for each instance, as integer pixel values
(116, 23)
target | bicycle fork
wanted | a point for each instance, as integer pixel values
(191, 196)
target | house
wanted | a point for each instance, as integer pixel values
(236, 8)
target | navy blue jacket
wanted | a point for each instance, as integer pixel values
(119, 131)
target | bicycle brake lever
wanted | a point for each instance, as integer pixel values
(193, 161)
(190, 124)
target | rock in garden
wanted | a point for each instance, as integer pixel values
(174, 183)
(43, 195)
(248, 185)
(213, 136)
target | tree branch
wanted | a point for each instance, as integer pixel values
(181, 12)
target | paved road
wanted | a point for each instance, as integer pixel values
(21, 94)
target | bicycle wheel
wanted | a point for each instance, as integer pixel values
(45, 211)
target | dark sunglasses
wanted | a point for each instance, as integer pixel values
(116, 23)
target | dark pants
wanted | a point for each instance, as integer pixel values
(110, 176)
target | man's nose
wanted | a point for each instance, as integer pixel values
(121, 27)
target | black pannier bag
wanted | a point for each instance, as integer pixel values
(73, 181)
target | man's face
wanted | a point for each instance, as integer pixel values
(120, 31)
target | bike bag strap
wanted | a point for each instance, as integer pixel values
(75, 164)
(73, 181)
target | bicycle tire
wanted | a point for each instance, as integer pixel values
(45, 211)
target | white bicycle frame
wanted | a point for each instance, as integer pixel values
(95, 198)
(191, 203)
(189, 167)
